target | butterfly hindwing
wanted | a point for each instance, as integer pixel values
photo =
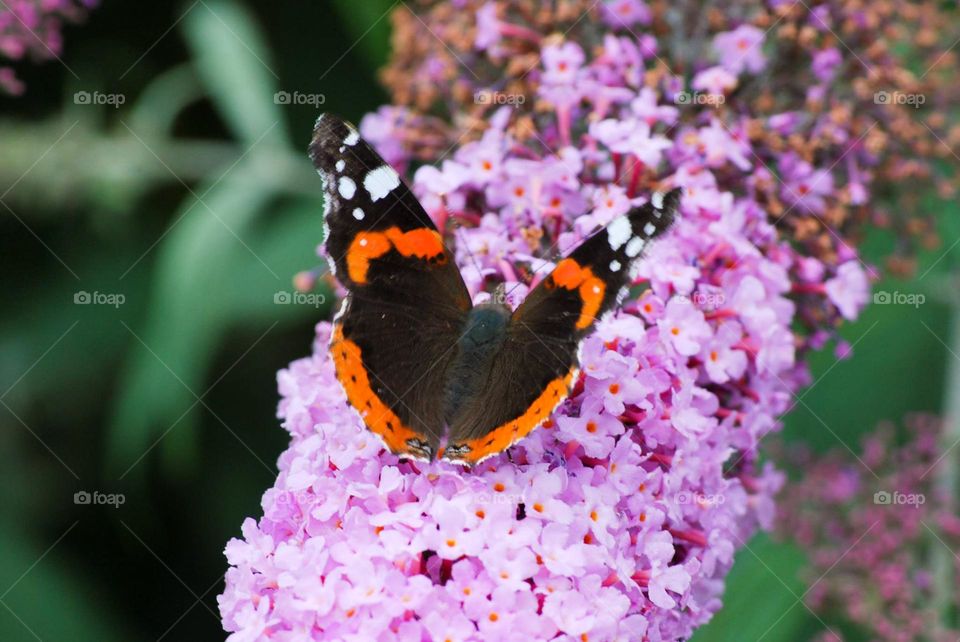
(534, 367)
(406, 301)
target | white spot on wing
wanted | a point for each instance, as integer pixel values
(657, 200)
(347, 187)
(619, 232)
(634, 247)
(343, 308)
(615, 266)
(340, 165)
(649, 229)
(358, 214)
(352, 138)
(381, 181)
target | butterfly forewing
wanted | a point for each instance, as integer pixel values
(406, 303)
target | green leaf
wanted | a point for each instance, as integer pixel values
(760, 599)
(51, 600)
(232, 58)
(893, 344)
(215, 270)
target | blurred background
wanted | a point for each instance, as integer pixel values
(155, 203)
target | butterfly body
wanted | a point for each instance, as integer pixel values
(483, 336)
(430, 373)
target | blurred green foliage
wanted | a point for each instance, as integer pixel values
(195, 202)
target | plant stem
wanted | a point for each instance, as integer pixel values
(948, 474)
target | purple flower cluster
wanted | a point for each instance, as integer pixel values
(619, 518)
(32, 28)
(876, 530)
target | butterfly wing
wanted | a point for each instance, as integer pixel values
(532, 372)
(406, 302)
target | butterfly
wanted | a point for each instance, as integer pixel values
(429, 372)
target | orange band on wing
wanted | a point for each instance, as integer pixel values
(365, 246)
(572, 276)
(356, 383)
(501, 437)
(421, 243)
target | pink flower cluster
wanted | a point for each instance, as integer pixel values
(619, 518)
(878, 530)
(31, 28)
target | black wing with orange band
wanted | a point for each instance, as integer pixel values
(397, 331)
(533, 370)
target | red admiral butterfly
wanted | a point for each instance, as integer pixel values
(413, 354)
